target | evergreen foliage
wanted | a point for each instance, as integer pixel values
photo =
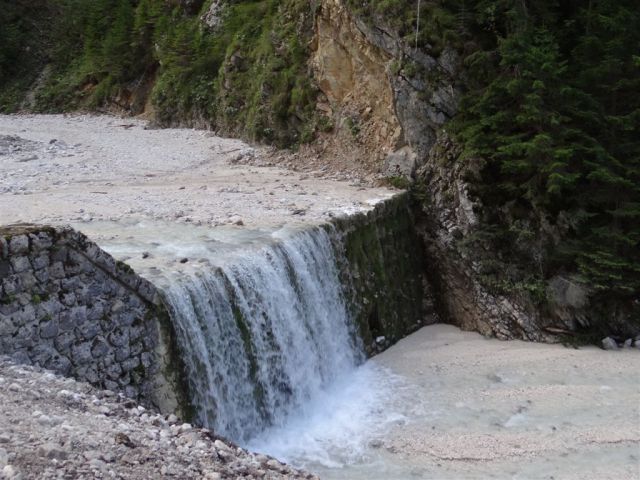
(553, 108)
(247, 78)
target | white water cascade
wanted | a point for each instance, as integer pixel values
(265, 336)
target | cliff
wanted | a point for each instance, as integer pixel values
(527, 210)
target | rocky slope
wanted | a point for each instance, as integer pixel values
(71, 430)
(400, 99)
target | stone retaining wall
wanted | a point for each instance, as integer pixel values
(390, 296)
(68, 306)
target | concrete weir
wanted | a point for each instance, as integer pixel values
(115, 315)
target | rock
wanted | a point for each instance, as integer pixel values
(123, 439)
(380, 340)
(52, 451)
(212, 18)
(609, 343)
(4, 458)
(19, 244)
(10, 473)
(628, 343)
(184, 260)
(220, 445)
(401, 163)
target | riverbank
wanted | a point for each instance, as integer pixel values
(54, 427)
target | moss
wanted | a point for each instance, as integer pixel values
(384, 270)
(124, 267)
(353, 125)
(400, 182)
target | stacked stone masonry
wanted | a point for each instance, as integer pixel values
(68, 306)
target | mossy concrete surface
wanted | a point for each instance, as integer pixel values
(384, 273)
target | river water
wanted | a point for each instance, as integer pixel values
(275, 364)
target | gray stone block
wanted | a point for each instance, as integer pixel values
(81, 353)
(42, 354)
(88, 330)
(11, 285)
(27, 280)
(110, 385)
(136, 348)
(42, 275)
(20, 264)
(68, 299)
(114, 371)
(38, 262)
(60, 364)
(56, 270)
(70, 284)
(7, 327)
(122, 353)
(147, 359)
(99, 347)
(51, 306)
(49, 329)
(19, 244)
(21, 356)
(40, 241)
(130, 363)
(119, 337)
(63, 341)
(27, 337)
(25, 316)
(10, 308)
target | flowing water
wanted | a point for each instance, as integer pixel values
(263, 337)
(273, 355)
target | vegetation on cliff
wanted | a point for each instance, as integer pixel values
(553, 109)
(550, 103)
(246, 75)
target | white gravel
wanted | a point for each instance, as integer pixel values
(53, 428)
(82, 168)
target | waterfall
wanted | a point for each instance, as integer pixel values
(264, 335)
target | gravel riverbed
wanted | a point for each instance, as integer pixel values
(83, 168)
(54, 427)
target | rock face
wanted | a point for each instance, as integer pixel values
(352, 73)
(398, 97)
(68, 306)
(53, 427)
(447, 218)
